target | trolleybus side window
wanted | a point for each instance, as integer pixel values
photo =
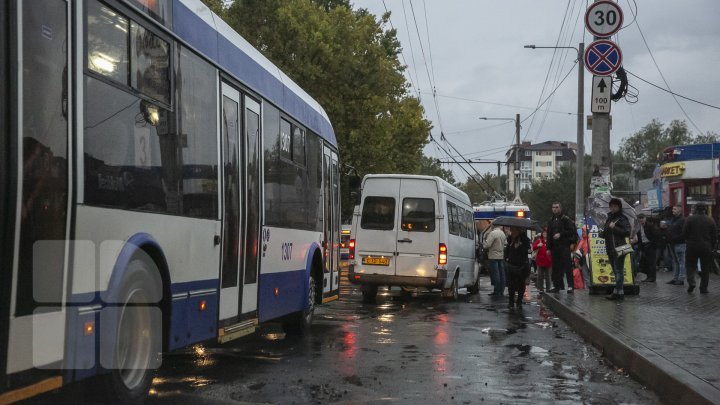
(45, 166)
(195, 85)
(138, 153)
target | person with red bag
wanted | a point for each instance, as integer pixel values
(543, 261)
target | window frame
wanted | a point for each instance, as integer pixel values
(149, 25)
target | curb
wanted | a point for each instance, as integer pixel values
(671, 383)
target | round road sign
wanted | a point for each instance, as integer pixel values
(603, 18)
(603, 57)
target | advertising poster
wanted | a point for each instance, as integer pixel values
(601, 273)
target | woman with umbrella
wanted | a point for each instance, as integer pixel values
(516, 264)
(616, 229)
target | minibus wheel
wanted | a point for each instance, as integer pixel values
(369, 293)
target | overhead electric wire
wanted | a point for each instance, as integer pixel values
(402, 56)
(568, 42)
(498, 104)
(637, 24)
(547, 74)
(412, 52)
(551, 94)
(564, 52)
(427, 70)
(671, 92)
(432, 138)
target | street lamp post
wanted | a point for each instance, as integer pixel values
(580, 164)
(516, 169)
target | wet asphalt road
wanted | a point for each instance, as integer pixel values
(423, 349)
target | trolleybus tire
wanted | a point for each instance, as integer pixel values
(300, 322)
(137, 346)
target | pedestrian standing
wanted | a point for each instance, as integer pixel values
(543, 261)
(700, 234)
(677, 245)
(517, 265)
(616, 229)
(495, 247)
(561, 234)
(648, 236)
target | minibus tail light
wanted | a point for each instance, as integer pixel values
(351, 249)
(442, 257)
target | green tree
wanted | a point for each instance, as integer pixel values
(645, 146)
(481, 188)
(217, 6)
(432, 167)
(349, 63)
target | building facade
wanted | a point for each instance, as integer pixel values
(537, 162)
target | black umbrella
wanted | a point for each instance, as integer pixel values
(518, 222)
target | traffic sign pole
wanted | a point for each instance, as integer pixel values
(603, 18)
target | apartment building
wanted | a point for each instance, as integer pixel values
(538, 161)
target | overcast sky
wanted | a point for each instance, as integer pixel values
(473, 52)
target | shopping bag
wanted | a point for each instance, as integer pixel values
(578, 282)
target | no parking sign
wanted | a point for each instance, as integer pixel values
(603, 57)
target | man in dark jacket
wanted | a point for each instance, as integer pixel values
(615, 230)
(677, 245)
(648, 237)
(700, 234)
(561, 234)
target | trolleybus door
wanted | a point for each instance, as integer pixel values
(38, 208)
(251, 236)
(331, 220)
(232, 203)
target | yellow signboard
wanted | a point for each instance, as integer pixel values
(672, 169)
(601, 272)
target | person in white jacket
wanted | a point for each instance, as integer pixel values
(494, 245)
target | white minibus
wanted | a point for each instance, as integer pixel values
(412, 231)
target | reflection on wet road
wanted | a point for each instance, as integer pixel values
(403, 350)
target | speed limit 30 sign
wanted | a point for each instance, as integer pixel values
(603, 18)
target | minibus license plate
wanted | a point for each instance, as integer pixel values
(379, 261)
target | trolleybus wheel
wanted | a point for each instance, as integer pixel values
(300, 322)
(137, 349)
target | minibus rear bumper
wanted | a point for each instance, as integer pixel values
(392, 280)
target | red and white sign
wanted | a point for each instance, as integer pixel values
(603, 18)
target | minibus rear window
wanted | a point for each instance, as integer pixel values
(378, 213)
(418, 215)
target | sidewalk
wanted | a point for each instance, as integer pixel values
(664, 337)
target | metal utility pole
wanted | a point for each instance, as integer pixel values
(580, 136)
(516, 172)
(580, 158)
(516, 167)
